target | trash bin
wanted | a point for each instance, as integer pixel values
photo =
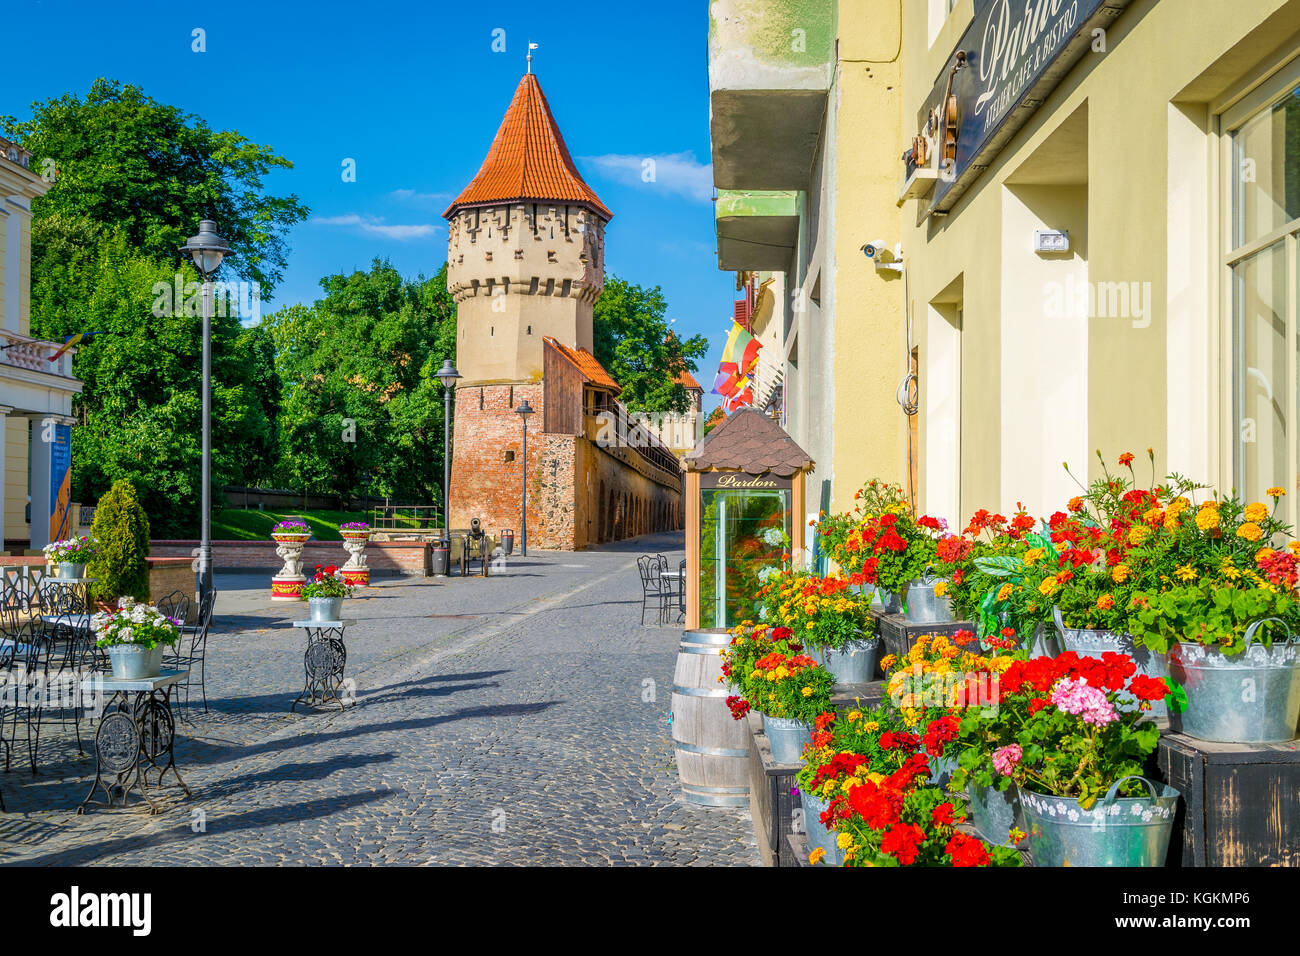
(508, 540)
(441, 557)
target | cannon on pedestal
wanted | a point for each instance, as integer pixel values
(476, 547)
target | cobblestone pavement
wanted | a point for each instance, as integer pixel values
(520, 719)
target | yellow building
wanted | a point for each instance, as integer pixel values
(35, 389)
(1089, 212)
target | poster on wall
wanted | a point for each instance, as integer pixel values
(61, 483)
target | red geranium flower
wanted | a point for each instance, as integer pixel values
(901, 842)
(967, 851)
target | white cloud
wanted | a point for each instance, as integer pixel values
(375, 226)
(679, 173)
(417, 198)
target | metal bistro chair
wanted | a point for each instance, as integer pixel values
(191, 651)
(176, 606)
(49, 660)
(653, 585)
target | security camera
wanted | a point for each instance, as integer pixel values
(883, 256)
(873, 248)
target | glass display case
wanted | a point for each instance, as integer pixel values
(745, 534)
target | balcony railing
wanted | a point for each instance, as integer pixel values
(614, 428)
(23, 351)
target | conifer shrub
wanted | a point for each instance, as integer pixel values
(122, 529)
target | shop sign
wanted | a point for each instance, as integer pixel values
(743, 481)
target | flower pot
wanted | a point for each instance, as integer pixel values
(1115, 831)
(854, 663)
(819, 835)
(994, 812)
(133, 662)
(68, 569)
(924, 607)
(889, 602)
(941, 768)
(325, 608)
(1094, 643)
(787, 738)
(1250, 698)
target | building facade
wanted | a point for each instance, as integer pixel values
(525, 264)
(1083, 217)
(36, 382)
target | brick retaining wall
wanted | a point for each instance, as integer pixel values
(383, 557)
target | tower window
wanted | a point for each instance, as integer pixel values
(510, 455)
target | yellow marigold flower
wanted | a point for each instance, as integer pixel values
(1153, 516)
(888, 661)
(941, 589)
(1210, 503)
(1276, 492)
(1294, 546)
(1138, 534)
(1207, 519)
(816, 855)
(1119, 574)
(854, 715)
(1171, 522)
(1004, 592)
(1048, 586)
(871, 725)
(844, 841)
(807, 691)
(1255, 512)
(1263, 554)
(1033, 556)
(1186, 573)
(1178, 506)
(809, 626)
(1250, 531)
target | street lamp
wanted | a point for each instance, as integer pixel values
(523, 411)
(448, 376)
(207, 249)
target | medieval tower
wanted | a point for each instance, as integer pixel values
(525, 264)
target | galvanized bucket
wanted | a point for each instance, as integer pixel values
(942, 768)
(787, 738)
(924, 607)
(325, 608)
(854, 663)
(1116, 831)
(1093, 643)
(818, 835)
(994, 812)
(1251, 698)
(132, 662)
(70, 571)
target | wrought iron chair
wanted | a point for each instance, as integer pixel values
(190, 651)
(652, 584)
(176, 606)
(47, 664)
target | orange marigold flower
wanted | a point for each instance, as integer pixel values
(1250, 531)
(1126, 459)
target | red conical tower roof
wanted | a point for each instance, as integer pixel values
(528, 160)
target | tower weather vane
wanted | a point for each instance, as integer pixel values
(531, 47)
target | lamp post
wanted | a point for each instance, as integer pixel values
(448, 376)
(523, 411)
(207, 249)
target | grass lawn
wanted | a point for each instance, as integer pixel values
(238, 524)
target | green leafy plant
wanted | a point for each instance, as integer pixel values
(327, 582)
(822, 612)
(122, 529)
(1215, 613)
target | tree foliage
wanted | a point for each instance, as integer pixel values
(124, 160)
(121, 527)
(361, 409)
(635, 344)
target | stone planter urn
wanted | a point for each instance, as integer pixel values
(356, 572)
(287, 583)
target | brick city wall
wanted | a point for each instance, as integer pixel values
(383, 557)
(578, 494)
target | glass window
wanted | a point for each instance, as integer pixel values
(1263, 407)
(742, 533)
(1267, 153)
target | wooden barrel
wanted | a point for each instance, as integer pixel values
(712, 748)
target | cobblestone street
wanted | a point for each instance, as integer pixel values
(521, 719)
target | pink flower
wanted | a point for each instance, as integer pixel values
(1006, 758)
(1090, 703)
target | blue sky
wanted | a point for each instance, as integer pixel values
(414, 92)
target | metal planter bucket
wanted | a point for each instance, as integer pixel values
(994, 812)
(1251, 698)
(132, 662)
(325, 608)
(818, 835)
(1116, 831)
(69, 570)
(854, 663)
(787, 738)
(1091, 643)
(924, 607)
(941, 768)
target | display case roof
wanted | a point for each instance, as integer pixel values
(751, 442)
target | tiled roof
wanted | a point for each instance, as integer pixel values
(528, 160)
(586, 363)
(686, 378)
(749, 441)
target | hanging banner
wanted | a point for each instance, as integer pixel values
(61, 483)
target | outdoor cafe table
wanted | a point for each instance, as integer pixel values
(135, 739)
(323, 662)
(82, 583)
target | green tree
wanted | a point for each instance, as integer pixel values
(121, 528)
(361, 410)
(635, 344)
(124, 160)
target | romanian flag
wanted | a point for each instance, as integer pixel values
(71, 341)
(741, 348)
